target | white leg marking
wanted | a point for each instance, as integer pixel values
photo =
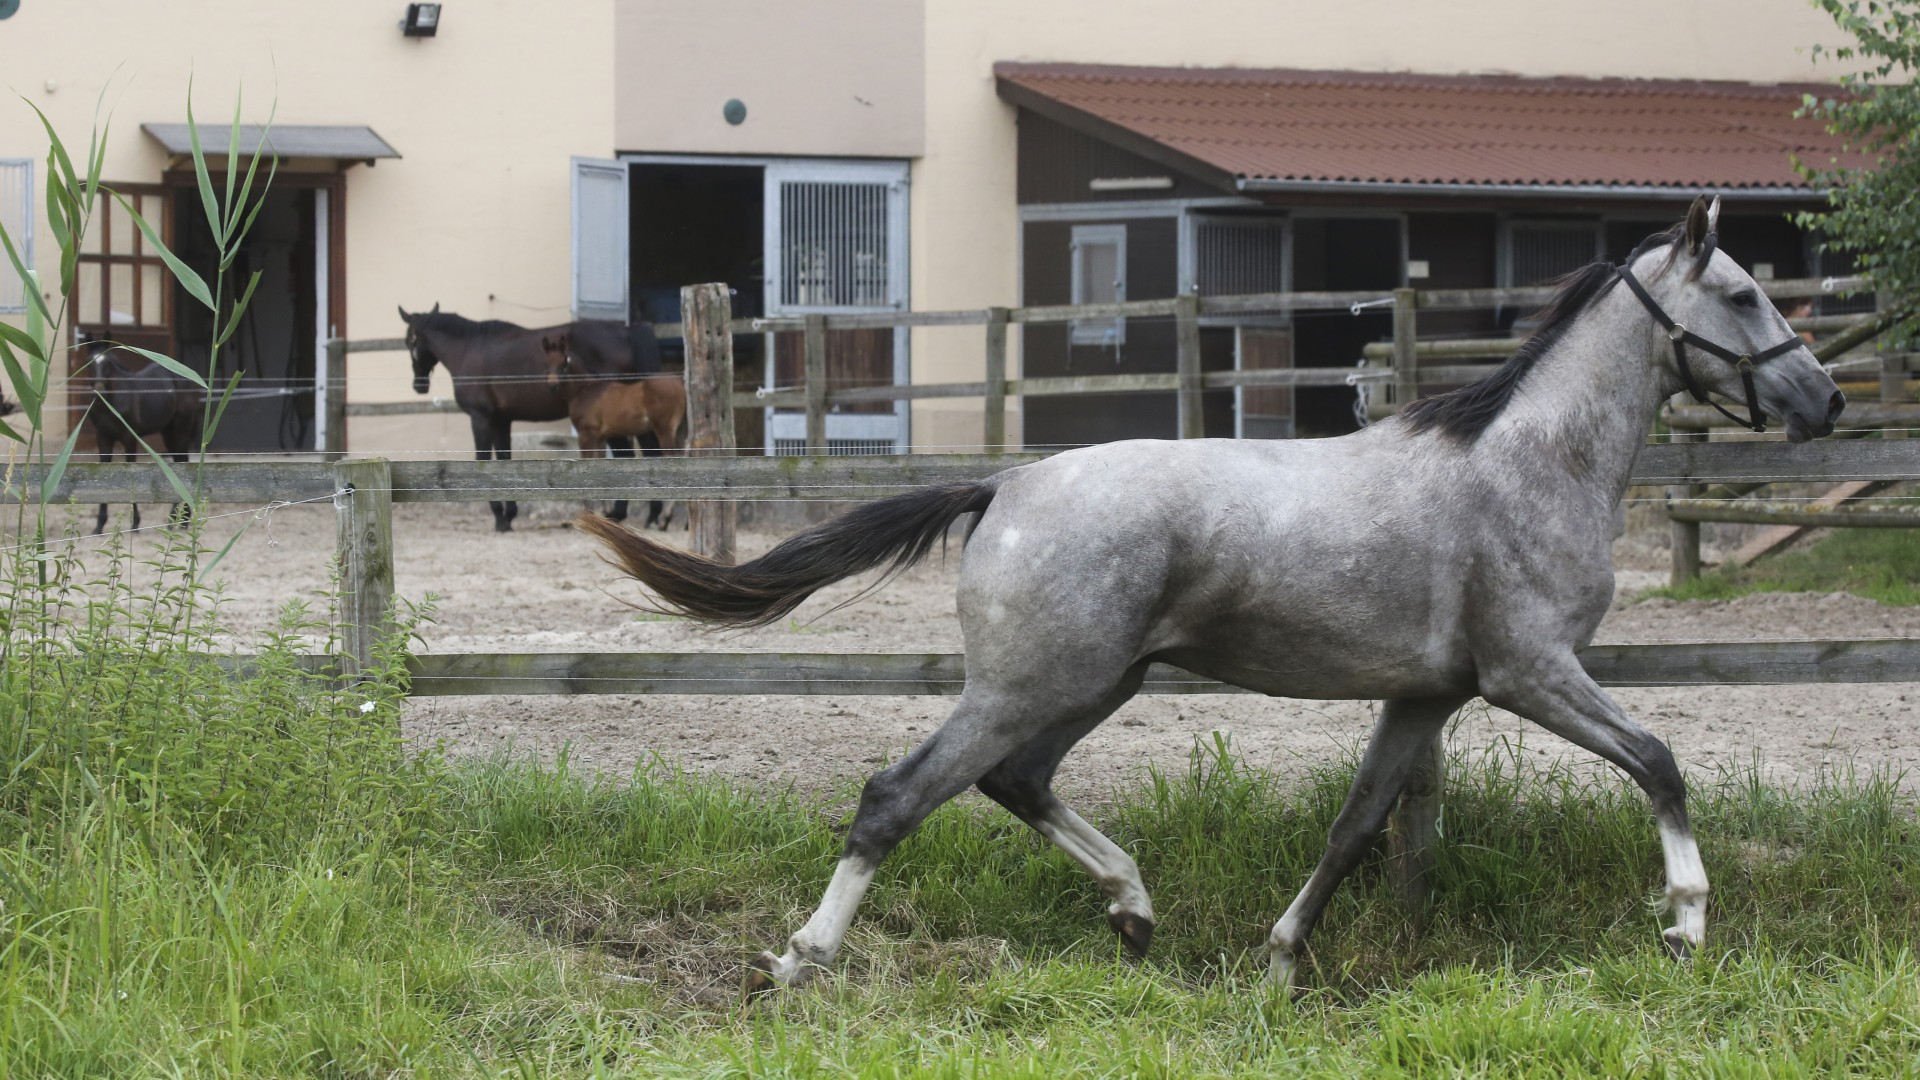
(1686, 889)
(818, 942)
(1114, 869)
(1284, 943)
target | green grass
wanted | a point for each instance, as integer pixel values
(981, 952)
(1879, 564)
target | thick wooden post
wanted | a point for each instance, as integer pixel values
(995, 435)
(334, 437)
(363, 516)
(1893, 377)
(816, 383)
(1684, 536)
(1406, 357)
(706, 315)
(1412, 829)
(1193, 414)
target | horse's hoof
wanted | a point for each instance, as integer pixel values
(1136, 931)
(760, 978)
(1678, 946)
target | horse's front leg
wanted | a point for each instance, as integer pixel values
(619, 446)
(1557, 694)
(484, 441)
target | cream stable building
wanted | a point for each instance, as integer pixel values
(590, 156)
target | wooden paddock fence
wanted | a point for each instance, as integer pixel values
(1392, 374)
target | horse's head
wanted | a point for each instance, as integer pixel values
(1717, 307)
(419, 348)
(554, 349)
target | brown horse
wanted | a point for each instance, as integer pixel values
(146, 401)
(603, 410)
(499, 374)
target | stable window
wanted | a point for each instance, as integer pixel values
(16, 216)
(1099, 277)
(1538, 251)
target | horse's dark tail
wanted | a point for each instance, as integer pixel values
(895, 532)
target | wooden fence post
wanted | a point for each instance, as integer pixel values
(706, 316)
(1193, 413)
(363, 530)
(334, 441)
(1412, 829)
(816, 383)
(1683, 536)
(1893, 376)
(1406, 357)
(995, 435)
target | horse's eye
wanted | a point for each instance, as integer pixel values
(1744, 298)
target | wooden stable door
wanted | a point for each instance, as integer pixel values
(1264, 412)
(122, 291)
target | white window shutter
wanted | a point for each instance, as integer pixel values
(600, 239)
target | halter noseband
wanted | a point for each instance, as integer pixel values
(1682, 337)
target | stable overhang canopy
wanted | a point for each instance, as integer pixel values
(344, 142)
(1281, 130)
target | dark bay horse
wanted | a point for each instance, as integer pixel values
(500, 373)
(605, 410)
(151, 401)
(1460, 549)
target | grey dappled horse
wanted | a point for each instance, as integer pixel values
(1459, 549)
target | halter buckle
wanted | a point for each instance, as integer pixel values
(1745, 363)
(1676, 331)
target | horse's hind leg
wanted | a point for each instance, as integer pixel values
(985, 727)
(1401, 738)
(620, 446)
(1023, 783)
(1562, 698)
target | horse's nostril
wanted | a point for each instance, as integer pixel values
(1835, 406)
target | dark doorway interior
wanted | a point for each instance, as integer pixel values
(273, 345)
(1340, 254)
(691, 224)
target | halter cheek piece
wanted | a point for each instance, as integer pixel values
(1683, 337)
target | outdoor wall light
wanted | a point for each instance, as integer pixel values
(423, 20)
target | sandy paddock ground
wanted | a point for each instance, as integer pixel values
(543, 588)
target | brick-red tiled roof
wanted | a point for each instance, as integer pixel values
(1343, 126)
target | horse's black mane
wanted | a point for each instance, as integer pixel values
(1464, 413)
(459, 326)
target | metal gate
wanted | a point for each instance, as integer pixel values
(836, 242)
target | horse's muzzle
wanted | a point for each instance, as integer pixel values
(1800, 429)
(419, 386)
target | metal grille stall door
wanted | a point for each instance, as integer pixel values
(836, 242)
(1240, 258)
(16, 216)
(834, 246)
(1539, 251)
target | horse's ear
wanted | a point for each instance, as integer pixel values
(1698, 225)
(436, 308)
(1713, 215)
(404, 317)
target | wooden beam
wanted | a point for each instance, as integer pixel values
(1814, 515)
(363, 515)
(994, 434)
(814, 380)
(1782, 536)
(1406, 356)
(707, 313)
(913, 674)
(1191, 418)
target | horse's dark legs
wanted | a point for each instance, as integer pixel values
(986, 726)
(621, 447)
(1023, 783)
(1558, 695)
(1400, 739)
(490, 440)
(650, 447)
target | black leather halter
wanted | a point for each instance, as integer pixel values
(1683, 337)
